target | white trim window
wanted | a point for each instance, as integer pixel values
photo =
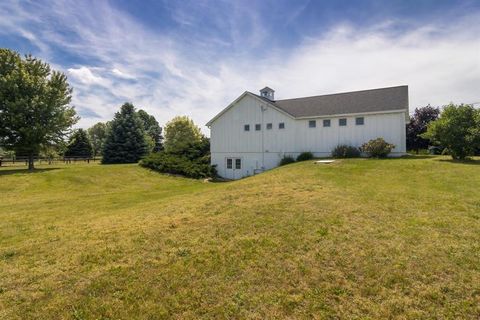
(238, 163)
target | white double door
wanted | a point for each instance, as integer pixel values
(234, 167)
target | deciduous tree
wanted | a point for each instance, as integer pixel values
(35, 108)
(418, 125)
(180, 133)
(457, 129)
(97, 134)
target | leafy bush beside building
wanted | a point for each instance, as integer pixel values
(187, 151)
(345, 151)
(377, 148)
(305, 156)
(286, 160)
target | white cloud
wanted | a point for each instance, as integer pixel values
(167, 76)
(85, 76)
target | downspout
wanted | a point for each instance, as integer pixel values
(263, 108)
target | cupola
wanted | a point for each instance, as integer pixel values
(268, 93)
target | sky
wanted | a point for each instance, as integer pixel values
(195, 57)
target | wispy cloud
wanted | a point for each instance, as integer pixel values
(111, 57)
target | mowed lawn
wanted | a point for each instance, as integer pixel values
(365, 239)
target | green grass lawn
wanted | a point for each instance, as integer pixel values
(369, 239)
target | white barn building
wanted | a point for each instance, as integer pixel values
(255, 132)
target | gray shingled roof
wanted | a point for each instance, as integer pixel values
(374, 100)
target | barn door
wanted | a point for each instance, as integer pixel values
(233, 168)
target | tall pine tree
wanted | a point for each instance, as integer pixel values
(152, 129)
(79, 145)
(125, 141)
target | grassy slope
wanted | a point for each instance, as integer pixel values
(356, 239)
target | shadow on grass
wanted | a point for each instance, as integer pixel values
(415, 157)
(406, 157)
(470, 162)
(5, 172)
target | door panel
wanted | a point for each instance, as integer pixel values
(233, 168)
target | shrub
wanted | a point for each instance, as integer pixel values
(178, 164)
(287, 160)
(344, 151)
(377, 148)
(305, 156)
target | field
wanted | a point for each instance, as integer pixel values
(369, 239)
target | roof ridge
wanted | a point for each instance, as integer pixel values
(340, 93)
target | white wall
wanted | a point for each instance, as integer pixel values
(228, 138)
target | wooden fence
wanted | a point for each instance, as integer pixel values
(23, 161)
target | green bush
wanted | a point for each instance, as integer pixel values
(287, 160)
(377, 148)
(178, 164)
(345, 151)
(305, 156)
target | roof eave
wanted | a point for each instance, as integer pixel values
(271, 104)
(352, 114)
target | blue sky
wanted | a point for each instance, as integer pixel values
(194, 57)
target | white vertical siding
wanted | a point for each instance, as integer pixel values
(228, 138)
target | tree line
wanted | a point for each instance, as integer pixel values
(36, 117)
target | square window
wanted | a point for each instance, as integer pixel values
(229, 163)
(258, 127)
(246, 127)
(312, 123)
(238, 163)
(269, 126)
(326, 123)
(342, 122)
(359, 121)
(281, 125)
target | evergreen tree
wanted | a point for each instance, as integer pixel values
(79, 145)
(125, 141)
(152, 129)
